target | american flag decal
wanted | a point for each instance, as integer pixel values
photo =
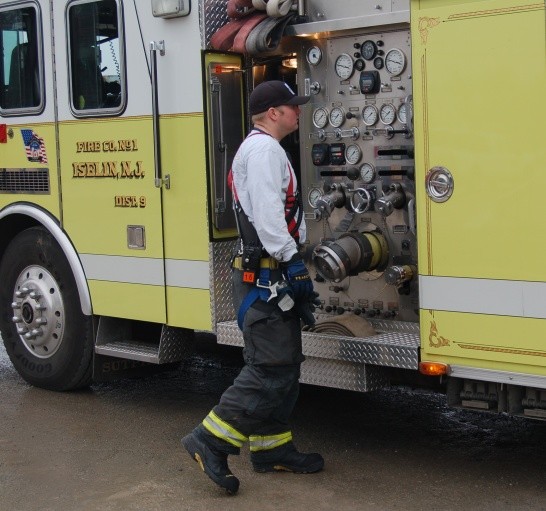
(34, 147)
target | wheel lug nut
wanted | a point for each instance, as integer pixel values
(17, 319)
(35, 295)
(36, 332)
(16, 305)
(41, 321)
(29, 336)
(22, 330)
(22, 292)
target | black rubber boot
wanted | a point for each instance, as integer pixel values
(288, 459)
(212, 461)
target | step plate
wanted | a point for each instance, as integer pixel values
(346, 362)
(131, 350)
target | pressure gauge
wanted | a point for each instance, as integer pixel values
(387, 113)
(314, 55)
(378, 62)
(353, 153)
(344, 66)
(403, 113)
(369, 115)
(337, 117)
(313, 196)
(359, 64)
(368, 50)
(320, 117)
(395, 61)
(367, 173)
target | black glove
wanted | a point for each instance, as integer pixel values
(299, 279)
(305, 309)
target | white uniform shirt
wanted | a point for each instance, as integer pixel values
(261, 176)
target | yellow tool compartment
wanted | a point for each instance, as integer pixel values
(479, 82)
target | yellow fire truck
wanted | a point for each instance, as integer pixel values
(420, 157)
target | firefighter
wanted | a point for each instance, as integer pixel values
(271, 289)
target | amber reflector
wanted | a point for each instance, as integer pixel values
(432, 368)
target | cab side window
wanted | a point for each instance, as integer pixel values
(21, 71)
(97, 78)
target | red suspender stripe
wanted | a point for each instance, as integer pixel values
(290, 203)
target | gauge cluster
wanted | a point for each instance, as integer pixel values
(357, 166)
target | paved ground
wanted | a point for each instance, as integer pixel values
(116, 447)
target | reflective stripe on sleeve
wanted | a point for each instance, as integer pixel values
(265, 443)
(223, 430)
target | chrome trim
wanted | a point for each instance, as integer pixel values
(473, 373)
(156, 46)
(62, 239)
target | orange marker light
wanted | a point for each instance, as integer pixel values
(433, 368)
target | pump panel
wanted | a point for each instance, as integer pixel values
(357, 170)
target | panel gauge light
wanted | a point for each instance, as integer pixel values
(395, 61)
(367, 173)
(344, 66)
(337, 117)
(353, 153)
(370, 115)
(320, 117)
(314, 55)
(387, 113)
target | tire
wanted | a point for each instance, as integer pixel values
(47, 337)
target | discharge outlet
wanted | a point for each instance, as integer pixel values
(351, 254)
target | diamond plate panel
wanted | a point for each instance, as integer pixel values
(212, 16)
(220, 254)
(391, 349)
(342, 375)
(175, 344)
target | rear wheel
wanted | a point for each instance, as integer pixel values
(47, 337)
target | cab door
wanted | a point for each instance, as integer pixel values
(479, 82)
(111, 208)
(28, 155)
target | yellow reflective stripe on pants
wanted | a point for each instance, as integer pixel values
(223, 430)
(265, 443)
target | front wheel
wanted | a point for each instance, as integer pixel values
(47, 337)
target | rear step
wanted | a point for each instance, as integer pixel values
(115, 339)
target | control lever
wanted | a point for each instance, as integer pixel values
(389, 132)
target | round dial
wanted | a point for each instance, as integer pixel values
(395, 61)
(369, 115)
(359, 64)
(368, 49)
(387, 113)
(367, 173)
(320, 117)
(314, 195)
(314, 55)
(403, 113)
(344, 66)
(337, 116)
(353, 153)
(378, 62)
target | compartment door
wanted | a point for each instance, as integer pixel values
(479, 82)
(225, 131)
